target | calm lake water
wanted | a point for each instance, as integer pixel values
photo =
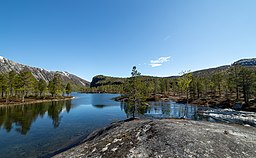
(38, 130)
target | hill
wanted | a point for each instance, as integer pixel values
(7, 65)
(101, 80)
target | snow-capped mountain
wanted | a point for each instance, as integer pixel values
(7, 65)
(246, 62)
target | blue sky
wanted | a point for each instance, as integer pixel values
(162, 38)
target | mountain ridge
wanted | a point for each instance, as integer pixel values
(7, 65)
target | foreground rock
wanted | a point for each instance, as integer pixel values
(168, 138)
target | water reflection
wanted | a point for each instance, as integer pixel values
(133, 111)
(175, 110)
(100, 106)
(89, 112)
(172, 110)
(21, 117)
(161, 110)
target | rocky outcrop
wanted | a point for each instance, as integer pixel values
(7, 65)
(167, 138)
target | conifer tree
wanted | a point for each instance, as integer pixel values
(27, 82)
(3, 84)
(42, 86)
(68, 89)
(54, 86)
(184, 83)
(246, 81)
(11, 80)
(135, 89)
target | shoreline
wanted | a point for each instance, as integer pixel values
(219, 103)
(36, 101)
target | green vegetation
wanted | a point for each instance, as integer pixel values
(135, 90)
(184, 83)
(68, 89)
(105, 84)
(15, 87)
(224, 86)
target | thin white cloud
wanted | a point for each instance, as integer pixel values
(159, 61)
(155, 65)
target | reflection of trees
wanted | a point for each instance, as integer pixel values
(68, 105)
(100, 106)
(21, 117)
(162, 109)
(131, 111)
(53, 112)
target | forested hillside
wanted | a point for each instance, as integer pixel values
(225, 85)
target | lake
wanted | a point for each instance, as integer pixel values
(38, 130)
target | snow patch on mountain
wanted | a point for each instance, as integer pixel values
(1, 58)
(82, 83)
(246, 62)
(65, 73)
(7, 65)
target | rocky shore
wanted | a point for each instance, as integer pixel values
(167, 138)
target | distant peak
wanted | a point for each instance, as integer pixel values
(246, 62)
(2, 59)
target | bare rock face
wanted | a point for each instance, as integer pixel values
(167, 138)
(39, 73)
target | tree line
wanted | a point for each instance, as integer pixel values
(22, 85)
(236, 83)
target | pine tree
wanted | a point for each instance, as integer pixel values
(27, 82)
(233, 79)
(184, 83)
(54, 86)
(11, 80)
(42, 86)
(135, 72)
(136, 89)
(3, 84)
(68, 89)
(246, 81)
